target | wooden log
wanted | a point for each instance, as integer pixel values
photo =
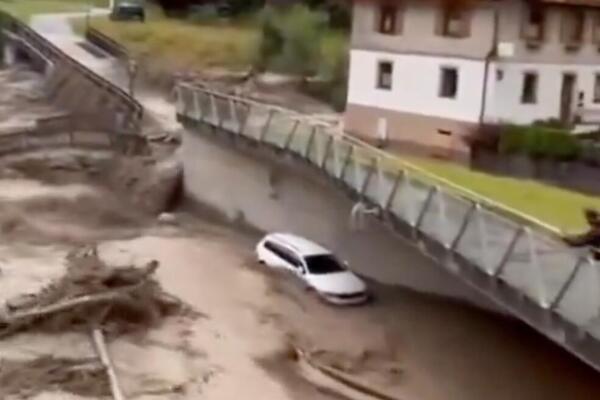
(105, 297)
(102, 352)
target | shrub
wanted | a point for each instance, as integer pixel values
(297, 41)
(333, 70)
(271, 41)
(333, 60)
(539, 142)
(291, 40)
(301, 30)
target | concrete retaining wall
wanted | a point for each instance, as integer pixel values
(271, 193)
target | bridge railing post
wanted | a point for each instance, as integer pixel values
(290, 136)
(483, 240)
(535, 270)
(402, 205)
(425, 208)
(179, 99)
(567, 284)
(468, 217)
(197, 110)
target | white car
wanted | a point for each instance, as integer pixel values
(315, 265)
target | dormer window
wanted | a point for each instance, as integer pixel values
(572, 27)
(454, 22)
(534, 24)
(389, 19)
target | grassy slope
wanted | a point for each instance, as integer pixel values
(177, 44)
(24, 9)
(558, 207)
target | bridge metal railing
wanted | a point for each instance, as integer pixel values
(106, 43)
(131, 108)
(544, 277)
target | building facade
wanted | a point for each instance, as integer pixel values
(425, 75)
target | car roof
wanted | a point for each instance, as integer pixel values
(302, 246)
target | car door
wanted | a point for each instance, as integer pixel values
(296, 263)
(277, 255)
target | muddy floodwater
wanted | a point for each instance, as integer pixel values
(413, 346)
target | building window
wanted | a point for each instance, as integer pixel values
(388, 21)
(385, 71)
(597, 88)
(499, 74)
(454, 22)
(529, 92)
(596, 27)
(572, 26)
(533, 29)
(449, 83)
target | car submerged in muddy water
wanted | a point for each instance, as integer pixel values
(316, 266)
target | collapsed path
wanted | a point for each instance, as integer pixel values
(444, 351)
(57, 29)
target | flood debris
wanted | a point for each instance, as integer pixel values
(92, 297)
(102, 352)
(92, 294)
(26, 379)
(336, 379)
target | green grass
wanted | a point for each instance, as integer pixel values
(176, 44)
(558, 207)
(25, 9)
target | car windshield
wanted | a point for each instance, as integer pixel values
(323, 264)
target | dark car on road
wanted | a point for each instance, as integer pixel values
(128, 11)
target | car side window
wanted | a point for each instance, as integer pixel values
(284, 254)
(295, 261)
(271, 247)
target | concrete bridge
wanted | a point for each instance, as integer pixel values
(267, 167)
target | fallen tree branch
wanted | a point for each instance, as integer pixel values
(102, 352)
(343, 378)
(105, 297)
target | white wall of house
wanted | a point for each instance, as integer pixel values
(506, 106)
(416, 84)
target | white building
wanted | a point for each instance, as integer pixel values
(426, 74)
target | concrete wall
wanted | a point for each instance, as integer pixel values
(271, 193)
